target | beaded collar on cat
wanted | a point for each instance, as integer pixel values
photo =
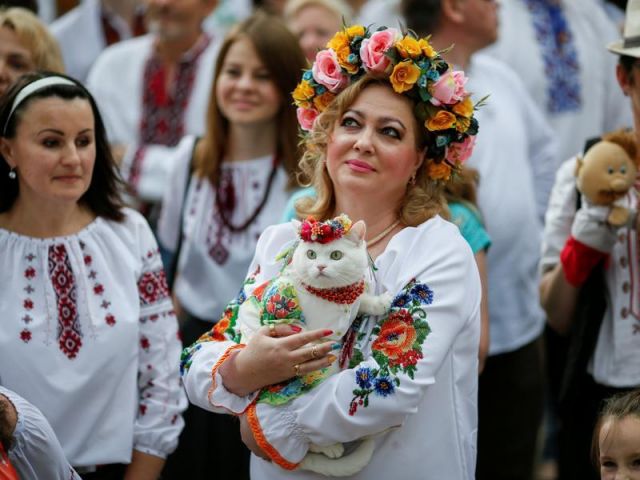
(324, 232)
(342, 295)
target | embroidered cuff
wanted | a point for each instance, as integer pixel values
(219, 396)
(276, 432)
(578, 260)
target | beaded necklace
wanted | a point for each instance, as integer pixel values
(342, 295)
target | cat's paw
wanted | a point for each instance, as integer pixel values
(332, 451)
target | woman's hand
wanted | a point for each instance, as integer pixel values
(274, 355)
(144, 466)
(249, 440)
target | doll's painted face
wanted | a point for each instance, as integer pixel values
(606, 173)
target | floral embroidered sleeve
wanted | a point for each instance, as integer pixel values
(162, 399)
(200, 361)
(396, 359)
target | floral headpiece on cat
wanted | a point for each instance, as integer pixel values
(324, 232)
(414, 69)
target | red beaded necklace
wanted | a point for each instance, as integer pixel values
(342, 295)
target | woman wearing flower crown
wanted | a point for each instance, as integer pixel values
(389, 123)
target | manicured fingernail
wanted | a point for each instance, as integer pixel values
(336, 346)
(295, 328)
(327, 332)
(331, 358)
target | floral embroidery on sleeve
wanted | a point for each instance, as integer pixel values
(224, 329)
(398, 345)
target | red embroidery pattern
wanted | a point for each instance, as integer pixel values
(152, 287)
(98, 288)
(27, 303)
(63, 281)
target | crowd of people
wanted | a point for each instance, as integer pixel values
(161, 160)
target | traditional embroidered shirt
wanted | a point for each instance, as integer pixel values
(84, 32)
(616, 360)
(557, 48)
(128, 83)
(35, 452)
(415, 369)
(91, 339)
(213, 260)
(517, 172)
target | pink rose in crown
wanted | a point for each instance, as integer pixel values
(459, 152)
(449, 88)
(326, 71)
(373, 49)
(306, 117)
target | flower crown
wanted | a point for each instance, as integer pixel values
(414, 69)
(324, 232)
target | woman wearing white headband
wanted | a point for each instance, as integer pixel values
(89, 336)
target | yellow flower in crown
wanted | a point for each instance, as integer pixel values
(426, 48)
(408, 47)
(439, 171)
(404, 76)
(303, 94)
(340, 44)
(355, 31)
(442, 120)
(464, 108)
(321, 101)
(463, 124)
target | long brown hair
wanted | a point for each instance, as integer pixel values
(279, 51)
(422, 200)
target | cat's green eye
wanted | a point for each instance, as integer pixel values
(336, 255)
(311, 254)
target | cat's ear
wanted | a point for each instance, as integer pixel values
(357, 231)
(296, 225)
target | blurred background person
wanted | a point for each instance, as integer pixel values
(153, 90)
(315, 21)
(516, 172)
(89, 28)
(226, 188)
(25, 45)
(31, 5)
(29, 442)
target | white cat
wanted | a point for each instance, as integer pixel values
(322, 286)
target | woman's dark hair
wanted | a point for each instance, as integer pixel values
(6, 430)
(103, 195)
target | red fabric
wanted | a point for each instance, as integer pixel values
(578, 260)
(7, 472)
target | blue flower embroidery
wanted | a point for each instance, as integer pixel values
(363, 377)
(422, 293)
(383, 386)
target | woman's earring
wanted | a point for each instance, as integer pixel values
(12, 173)
(412, 180)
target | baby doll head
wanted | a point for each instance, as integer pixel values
(608, 169)
(616, 438)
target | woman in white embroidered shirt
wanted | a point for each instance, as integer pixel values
(89, 335)
(416, 368)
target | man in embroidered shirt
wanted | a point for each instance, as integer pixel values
(86, 30)
(515, 156)
(154, 89)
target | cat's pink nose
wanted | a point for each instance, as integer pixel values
(321, 267)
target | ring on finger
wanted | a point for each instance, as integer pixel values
(296, 369)
(314, 352)
(272, 330)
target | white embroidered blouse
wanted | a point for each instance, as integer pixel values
(213, 259)
(90, 338)
(415, 369)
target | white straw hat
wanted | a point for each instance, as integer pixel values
(630, 44)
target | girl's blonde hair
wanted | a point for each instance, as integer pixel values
(615, 408)
(34, 36)
(281, 55)
(423, 198)
(338, 7)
